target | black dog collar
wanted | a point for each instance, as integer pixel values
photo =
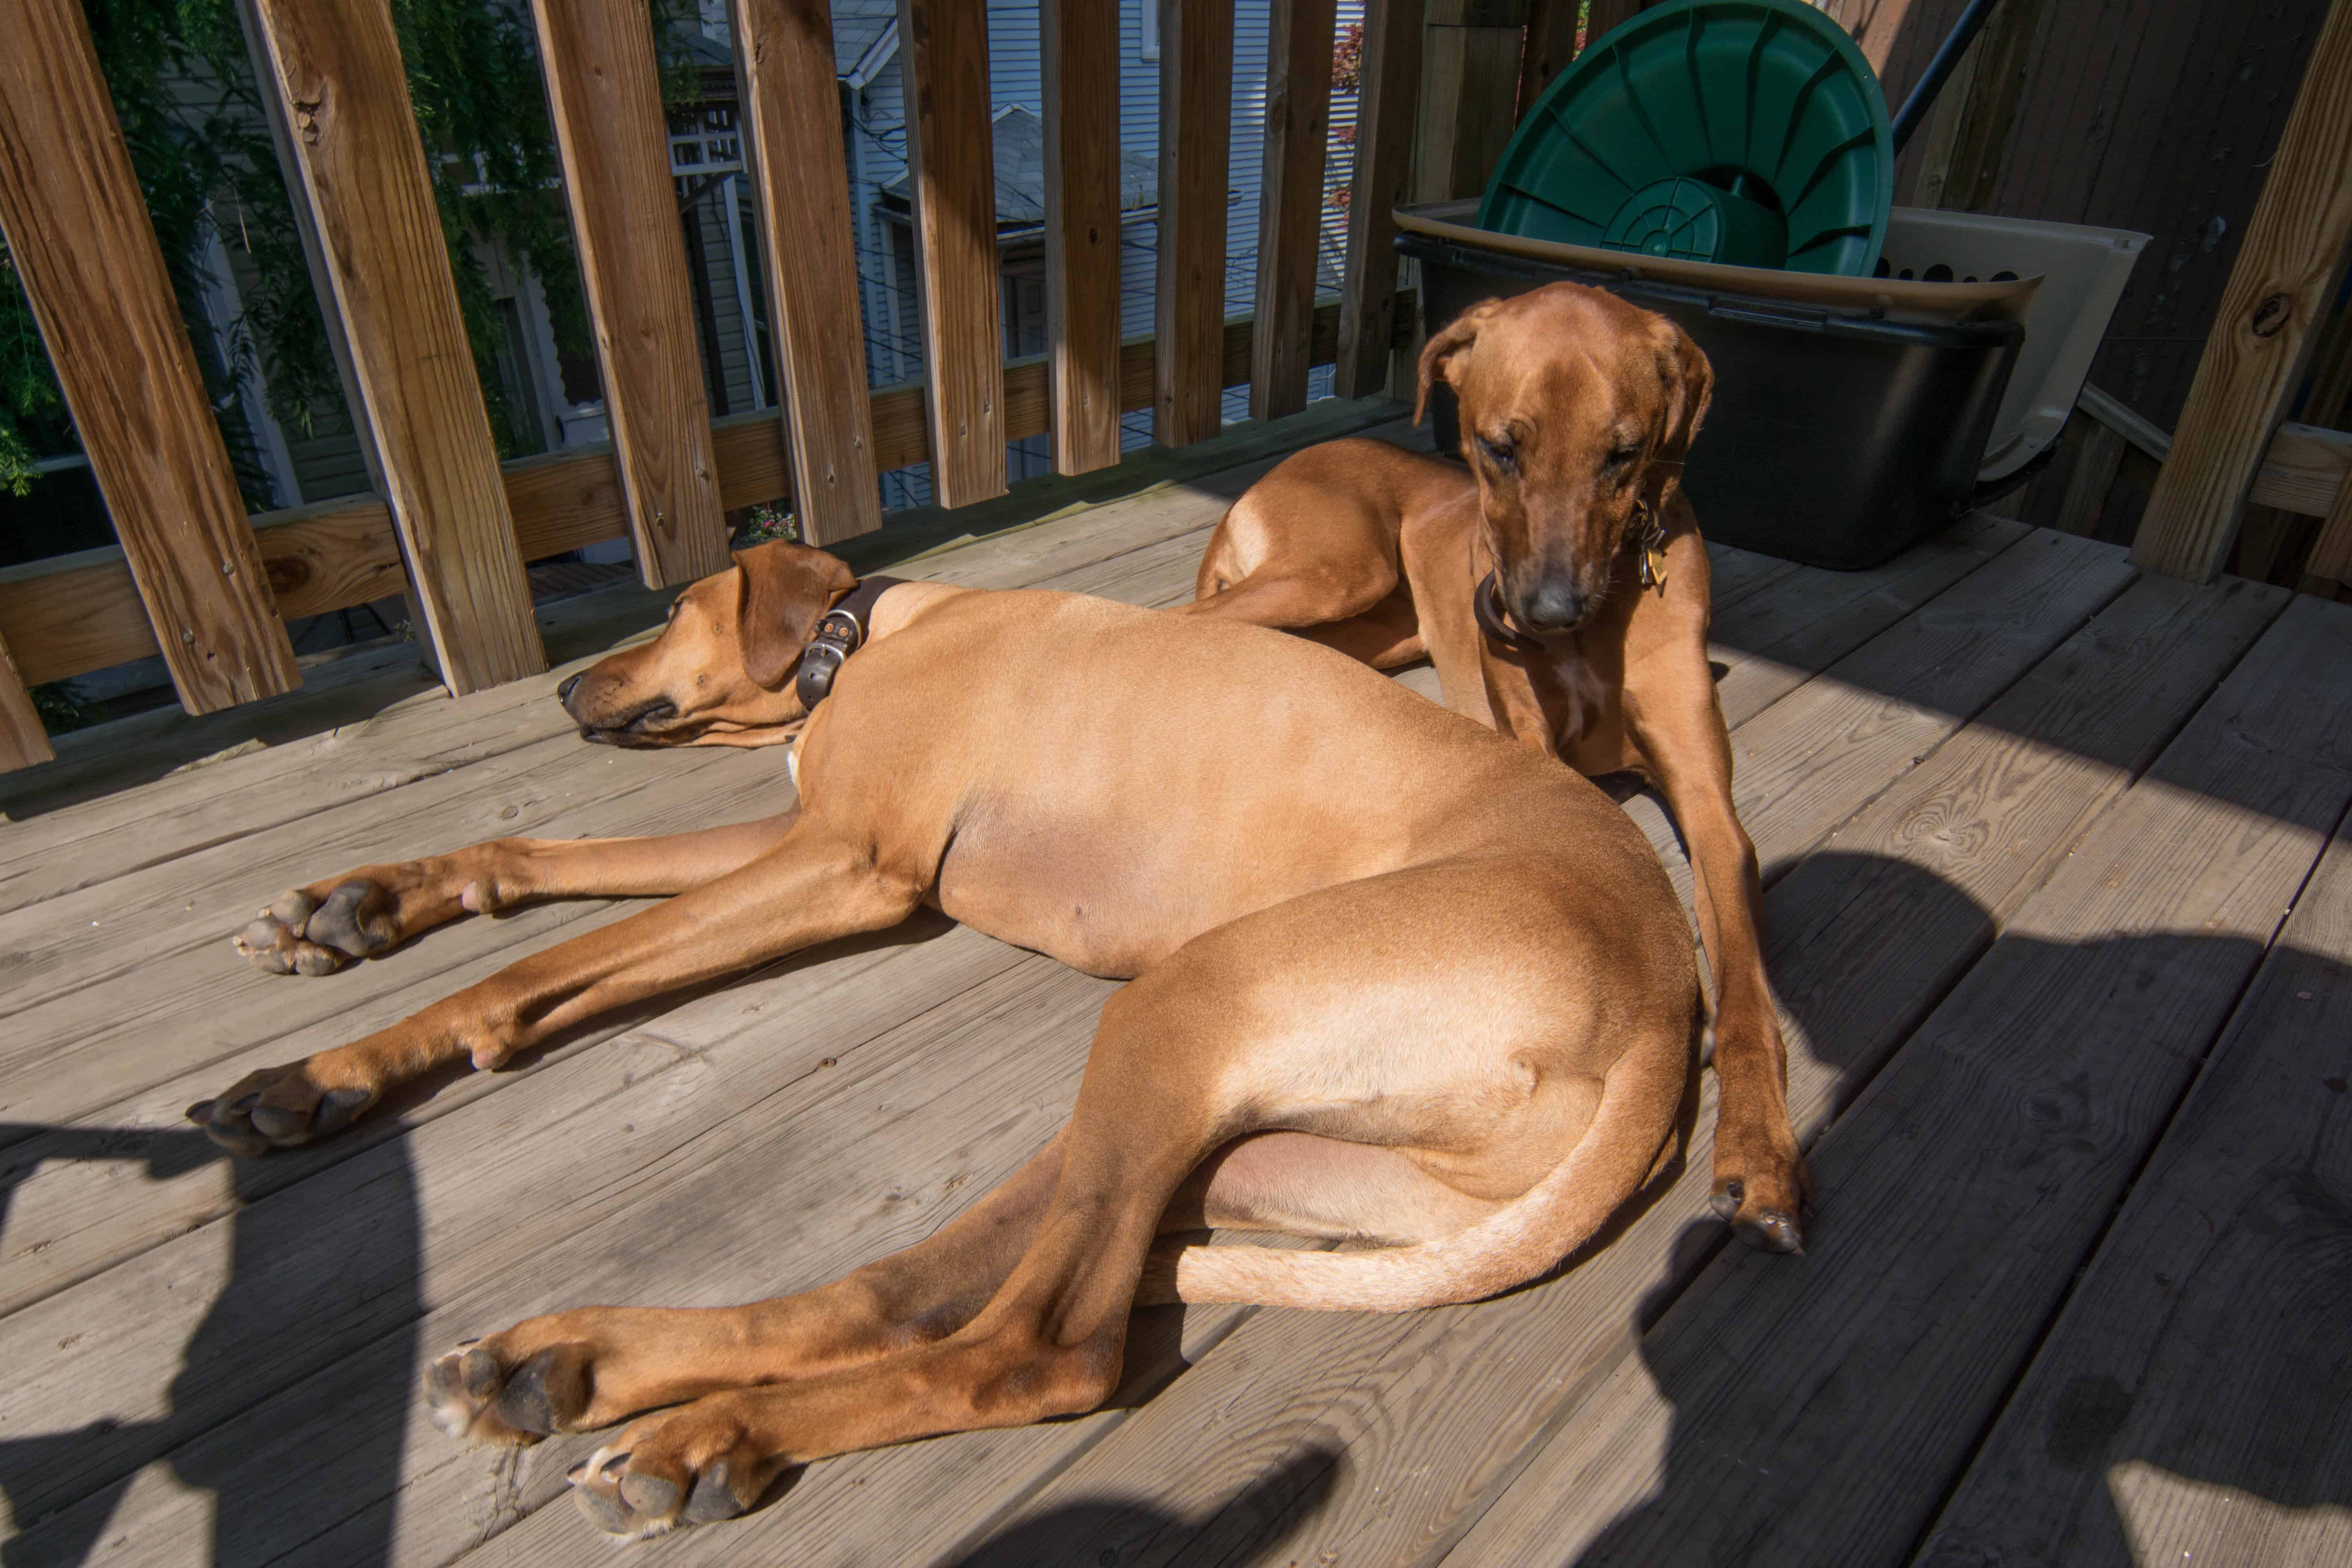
(841, 633)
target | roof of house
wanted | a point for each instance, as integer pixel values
(1020, 141)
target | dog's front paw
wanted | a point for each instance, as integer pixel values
(281, 1106)
(495, 1391)
(1765, 1196)
(306, 931)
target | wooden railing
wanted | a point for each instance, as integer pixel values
(209, 589)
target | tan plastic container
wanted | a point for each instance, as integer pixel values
(2083, 271)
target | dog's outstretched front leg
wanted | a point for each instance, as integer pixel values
(811, 887)
(1761, 1182)
(318, 928)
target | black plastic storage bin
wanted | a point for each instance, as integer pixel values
(1834, 439)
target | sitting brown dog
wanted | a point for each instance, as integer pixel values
(1396, 981)
(1561, 588)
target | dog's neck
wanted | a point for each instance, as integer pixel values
(846, 627)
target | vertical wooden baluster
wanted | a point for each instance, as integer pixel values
(1196, 95)
(81, 244)
(1290, 203)
(1391, 76)
(1082, 233)
(951, 161)
(784, 49)
(2286, 273)
(363, 172)
(603, 89)
(24, 739)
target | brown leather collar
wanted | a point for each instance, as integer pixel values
(841, 633)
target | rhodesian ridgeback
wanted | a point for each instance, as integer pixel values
(1560, 587)
(1396, 981)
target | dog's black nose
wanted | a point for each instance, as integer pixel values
(563, 692)
(1554, 604)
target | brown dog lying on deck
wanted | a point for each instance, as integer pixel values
(1561, 588)
(1396, 981)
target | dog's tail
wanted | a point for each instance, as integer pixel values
(1624, 1145)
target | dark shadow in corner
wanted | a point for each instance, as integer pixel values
(62, 1488)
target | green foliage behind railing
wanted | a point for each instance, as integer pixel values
(186, 92)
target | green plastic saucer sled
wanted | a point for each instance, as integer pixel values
(1751, 132)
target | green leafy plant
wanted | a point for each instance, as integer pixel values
(766, 524)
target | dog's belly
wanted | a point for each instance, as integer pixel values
(1082, 901)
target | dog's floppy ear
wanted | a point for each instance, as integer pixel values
(1689, 387)
(787, 588)
(1437, 356)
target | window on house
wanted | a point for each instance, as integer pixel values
(1150, 10)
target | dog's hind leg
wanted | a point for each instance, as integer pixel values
(578, 1370)
(318, 928)
(1047, 1340)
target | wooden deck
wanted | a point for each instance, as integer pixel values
(2060, 901)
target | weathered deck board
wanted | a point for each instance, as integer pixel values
(2191, 1404)
(1815, 1413)
(1428, 1416)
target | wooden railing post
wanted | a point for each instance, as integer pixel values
(1196, 98)
(82, 245)
(355, 140)
(1391, 74)
(784, 49)
(1082, 233)
(2285, 275)
(1469, 96)
(24, 739)
(1290, 200)
(603, 89)
(952, 158)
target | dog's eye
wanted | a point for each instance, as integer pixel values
(1501, 451)
(1618, 458)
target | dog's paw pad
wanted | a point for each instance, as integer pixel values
(277, 1107)
(353, 919)
(473, 1392)
(272, 946)
(1764, 1226)
(634, 1493)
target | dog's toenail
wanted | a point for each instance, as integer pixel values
(576, 1472)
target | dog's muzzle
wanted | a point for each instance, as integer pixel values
(1487, 603)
